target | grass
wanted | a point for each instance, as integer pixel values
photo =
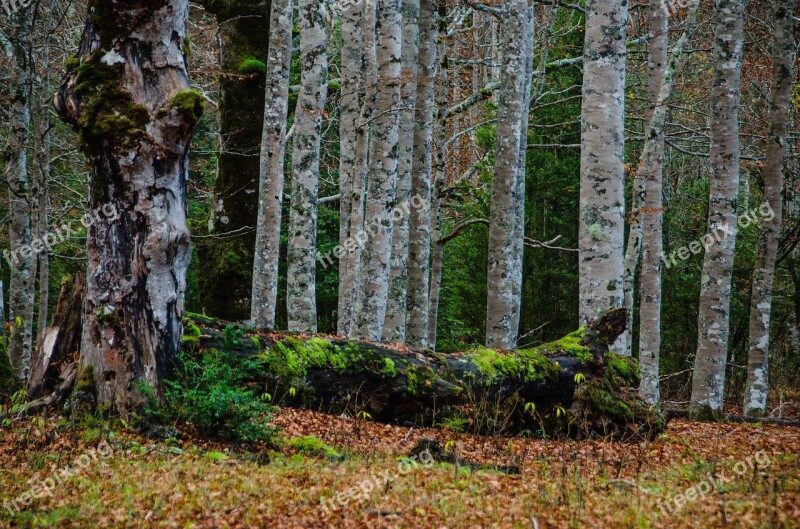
(208, 484)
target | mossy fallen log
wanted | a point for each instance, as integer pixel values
(573, 386)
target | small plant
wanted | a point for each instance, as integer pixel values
(233, 335)
(209, 392)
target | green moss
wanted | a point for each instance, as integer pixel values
(623, 370)
(107, 319)
(311, 446)
(72, 63)
(251, 66)
(190, 105)
(569, 345)
(108, 112)
(85, 383)
(191, 334)
(526, 365)
(419, 379)
(389, 371)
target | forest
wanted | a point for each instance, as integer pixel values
(400, 263)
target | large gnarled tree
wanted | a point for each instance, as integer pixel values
(128, 97)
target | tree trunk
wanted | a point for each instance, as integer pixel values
(420, 222)
(438, 170)
(226, 263)
(602, 198)
(755, 401)
(394, 325)
(130, 102)
(370, 309)
(22, 259)
(650, 170)
(708, 382)
(273, 151)
(519, 201)
(351, 162)
(489, 391)
(503, 230)
(302, 254)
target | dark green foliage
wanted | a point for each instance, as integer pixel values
(7, 382)
(209, 391)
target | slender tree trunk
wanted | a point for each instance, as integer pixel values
(602, 200)
(351, 143)
(370, 310)
(273, 152)
(519, 202)
(708, 382)
(420, 221)
(226, 262)
(130, 102)
(755, 401)
(438, 170)
(394, 325)
(503, 229)
(662, 76)
(302, 254)
(22, 261)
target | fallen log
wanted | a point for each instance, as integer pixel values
(573, 386)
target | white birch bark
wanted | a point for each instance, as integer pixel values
(394, 325)
(420, 221)
(351, 144)
(370, 309)
(602, 200)
(756, 391)
(708, 382)
(650, 170)
(519, 199)
(138, 246)
(23, 262)
(273, 152)
(301, 272)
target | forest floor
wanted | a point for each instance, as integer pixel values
(693, 475)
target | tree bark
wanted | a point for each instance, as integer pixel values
(264, 297)
(756, 391)
(650, 170)
(352, 143)
(394, 325)
(130, 103)
(370, 309)
(420, 222)
(302, 253)
(503, 228)
(226, 263)
(708, 382)
(22, 261)
(602, 199)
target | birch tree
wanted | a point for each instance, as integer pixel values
(23, 262)
(602, 200)
(301, 296)
(394, 326)
(420, 217)
(273, 151)
(503, 226)
(382, 178)
(352, 148)
(755, 400)
(661, 74)
(708, 382)
(130, 102)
